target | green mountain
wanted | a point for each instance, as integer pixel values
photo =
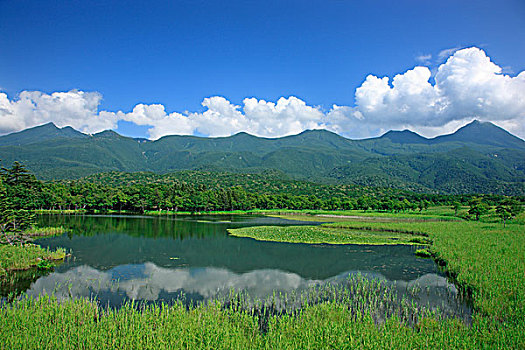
(40, 133)
(479, 157)
(482, 133)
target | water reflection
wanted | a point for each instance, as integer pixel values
(186, 241)
(151, 283)
(152, 259)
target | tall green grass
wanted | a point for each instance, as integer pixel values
(21, 257)
(35, 232)
(486, 259)
(80, 324)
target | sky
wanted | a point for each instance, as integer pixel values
(269, 68)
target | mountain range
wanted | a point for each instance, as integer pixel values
(480, 157)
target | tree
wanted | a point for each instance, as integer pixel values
(478, 208)
(503, 212)
(508, 209)
(456, 206)
(12, 221)
(18, 175)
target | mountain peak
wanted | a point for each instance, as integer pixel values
(318, 134)
(483, 133)
(49, 125)
(107, 134)
(404, 136)
(38, 134)
(242, 134)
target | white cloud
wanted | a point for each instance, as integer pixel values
(447, 52)
(424, 59)
(467, 86)
(75, 108)
(222, 118)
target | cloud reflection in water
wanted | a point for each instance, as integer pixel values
(149, 282)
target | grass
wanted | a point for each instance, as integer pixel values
(433, 213)
(364, 314)
(486, 260)
(326, 234)
(29, 235)
(25, 255)
(81, 324)
(423, 253)
(59, 211)
(22, 257)
(37, 232)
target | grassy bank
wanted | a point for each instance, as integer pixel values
(22, 257)
(326, 234)
(81, 324)
(38, 232)
(432, 213)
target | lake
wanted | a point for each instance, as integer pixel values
(117, 258)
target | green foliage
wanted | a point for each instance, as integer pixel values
(45, 265)
(478, 208)
(197, 191)
(16, 184)
(201, 191)
(456, 206)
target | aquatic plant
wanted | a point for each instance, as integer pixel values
(329, 234)
(423, 253)
(21, 257)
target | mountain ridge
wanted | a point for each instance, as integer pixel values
(469, 132)
(480, 157)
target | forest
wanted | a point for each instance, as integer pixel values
(197, 191)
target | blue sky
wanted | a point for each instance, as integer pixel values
(121, 54)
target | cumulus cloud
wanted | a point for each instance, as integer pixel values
(74, 108)
(468, 85)
(222, 118)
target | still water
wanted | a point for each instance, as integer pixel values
(120, 258)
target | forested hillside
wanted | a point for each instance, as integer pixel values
(478, 158)
(197, 191)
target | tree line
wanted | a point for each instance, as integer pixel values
(195, 191)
